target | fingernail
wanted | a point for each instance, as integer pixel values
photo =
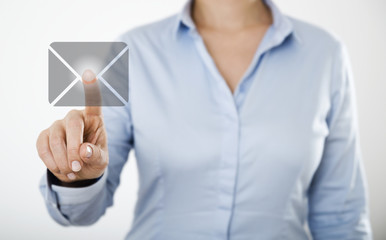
(89, 151)
(89, 76)
(71, 176)
(75, 165)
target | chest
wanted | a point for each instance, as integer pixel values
(233, 52)
(281, 121)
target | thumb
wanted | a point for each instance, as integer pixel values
(92, 93)
(92, 154)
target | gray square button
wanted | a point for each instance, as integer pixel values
(68, 60)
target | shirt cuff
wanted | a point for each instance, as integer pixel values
(69, 195)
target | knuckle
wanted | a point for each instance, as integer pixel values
(105, 163)
(40, 138)
(74, 122)
(44, 153)
(54, 169)
(72, 114)
(57, 123)
(72, 151)
(62, 169)
(103, 159)
(63, 166)
(56, 142)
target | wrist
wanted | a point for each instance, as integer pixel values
(75, 184)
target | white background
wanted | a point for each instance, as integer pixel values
(28, 27)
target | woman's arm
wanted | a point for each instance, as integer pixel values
(85, 205)
(337, 195)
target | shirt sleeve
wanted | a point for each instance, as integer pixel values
(85, 205)
(338, 195)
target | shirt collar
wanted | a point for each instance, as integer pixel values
(282, 26)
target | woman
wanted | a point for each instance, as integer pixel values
(244, 127)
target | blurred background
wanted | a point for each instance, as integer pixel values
(28, 27)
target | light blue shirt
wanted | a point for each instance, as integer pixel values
(279, 154)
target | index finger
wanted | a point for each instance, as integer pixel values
(74, 138)
(93, 99)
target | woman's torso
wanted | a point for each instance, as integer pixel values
(214, 164)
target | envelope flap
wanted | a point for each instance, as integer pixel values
(88, 55)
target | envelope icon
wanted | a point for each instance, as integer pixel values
(68, 60)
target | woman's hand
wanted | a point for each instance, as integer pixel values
(75, 148)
